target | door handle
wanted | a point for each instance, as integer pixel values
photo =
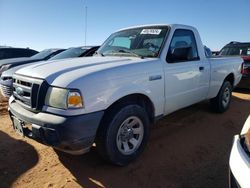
(155, 77)
(201, 68)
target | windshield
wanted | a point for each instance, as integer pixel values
(70, 53)
(43, 54)
(141, 42)
(235, 50)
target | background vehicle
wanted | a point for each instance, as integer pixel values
(236, 49)
(240, 49)
(208, 52)
(245, 81)
(10, 52)
(240, 158)
(215, 53)
(6, 77)
(82, 51)
(138, 75)
(41, 56)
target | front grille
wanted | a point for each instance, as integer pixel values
(6, 90)
(29, 92)
(7, 78)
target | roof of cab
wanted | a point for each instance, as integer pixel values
(152, 25)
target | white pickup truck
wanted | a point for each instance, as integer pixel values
(137, 76)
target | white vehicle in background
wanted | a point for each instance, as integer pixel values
(240, 159)
(139, 75)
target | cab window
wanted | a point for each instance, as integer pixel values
(183, 47)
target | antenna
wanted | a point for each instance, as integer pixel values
(86, 26)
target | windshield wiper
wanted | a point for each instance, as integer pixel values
(130, 52)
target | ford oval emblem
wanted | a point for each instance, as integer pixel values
(19, 91)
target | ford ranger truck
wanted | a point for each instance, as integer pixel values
(110, 100)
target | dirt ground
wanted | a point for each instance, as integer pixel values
(189, 148)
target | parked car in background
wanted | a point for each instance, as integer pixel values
(6, 77)
(10, 52)
(43, 55)
(245, 81)
(236, 49)
(240, 158)
(138, 75)
(215, 53)
(208, 51)
(243, 50)
(82, 51)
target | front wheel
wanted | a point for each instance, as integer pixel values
(124, 135)
(222, 101)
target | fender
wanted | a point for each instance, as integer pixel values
(124, 91)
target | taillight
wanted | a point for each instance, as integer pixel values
(246, 58)
(245, 69)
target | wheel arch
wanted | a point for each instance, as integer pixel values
(230, 77)
(136, 98)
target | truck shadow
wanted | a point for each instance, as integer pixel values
(242, 90)
(188, 148)
(16, 157)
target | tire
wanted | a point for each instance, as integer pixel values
(222, 101)
(120, 144)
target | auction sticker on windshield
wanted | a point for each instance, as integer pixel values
(151, 31)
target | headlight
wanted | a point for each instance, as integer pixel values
(63, 98)
(247, 140)
(4, 68)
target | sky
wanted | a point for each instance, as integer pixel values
(41, 24)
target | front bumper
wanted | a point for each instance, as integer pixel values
(239, 165)
(6, 87)
(71, 134)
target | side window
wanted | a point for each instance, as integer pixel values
(19, 53)
(248, 51)
(28, 53)
(8, 54)
(183, 47)
(2, 54)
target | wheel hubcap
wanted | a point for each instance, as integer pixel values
(130, 135)
(226, 97)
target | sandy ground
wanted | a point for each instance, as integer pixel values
(189, 148)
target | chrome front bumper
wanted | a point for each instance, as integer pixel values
(6, 87)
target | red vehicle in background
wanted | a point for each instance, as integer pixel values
(240, 49)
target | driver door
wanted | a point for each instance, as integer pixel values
(181, 71)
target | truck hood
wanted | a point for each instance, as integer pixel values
(13, 60)
(19, 61)
(11, 71)
(68, 70)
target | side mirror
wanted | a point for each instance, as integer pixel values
(179, 54)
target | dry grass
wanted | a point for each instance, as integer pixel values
(3, 105)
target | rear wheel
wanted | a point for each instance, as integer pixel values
(222, 101)
(123, 135)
